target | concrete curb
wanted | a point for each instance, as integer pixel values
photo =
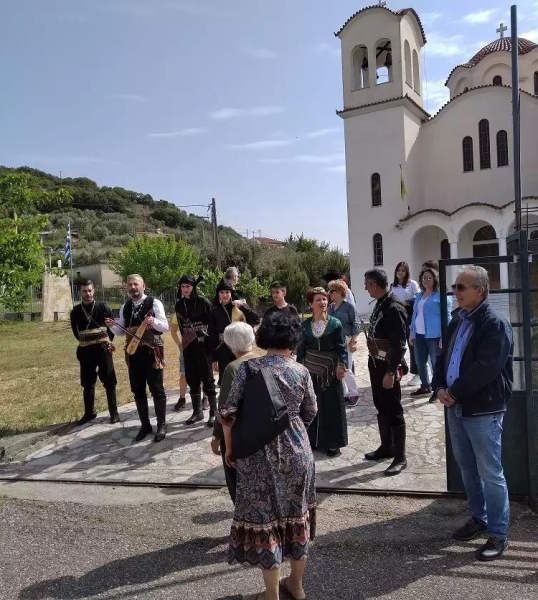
(13, 445)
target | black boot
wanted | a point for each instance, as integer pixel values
(212, 410)
(112, 405)
(180, 404)
(400, 462)
(197, 412)
(89, 408)
(386, 450)
(143, 415)
(160, 412)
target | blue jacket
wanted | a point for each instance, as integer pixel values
(485, 380)
(432, 314)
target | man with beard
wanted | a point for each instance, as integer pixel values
(193, 315)
(94, 351)
(145, 365)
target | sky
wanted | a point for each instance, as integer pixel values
(193, 99)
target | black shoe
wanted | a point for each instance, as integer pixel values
(399, 463)
(473, 528)
(396, 467)
(492, 549)
(161, 433)
(197, 411)
(334, 452)
(433, 398)
(380, 454)
(144, 430)
(180, 404)
(115, 418)
(86, 419)
(421, 392)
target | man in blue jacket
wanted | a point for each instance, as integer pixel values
(473, 378)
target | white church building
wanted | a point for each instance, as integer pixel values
(456, 165)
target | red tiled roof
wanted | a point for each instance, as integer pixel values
(398, 13)
(499, 45)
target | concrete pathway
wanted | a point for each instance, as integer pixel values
(104, 452)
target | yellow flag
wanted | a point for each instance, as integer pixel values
(403, 189)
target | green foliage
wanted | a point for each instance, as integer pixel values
(161, 261)
(253, 289)
(209, 284)
(294, 277)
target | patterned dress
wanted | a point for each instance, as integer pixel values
(276, 497)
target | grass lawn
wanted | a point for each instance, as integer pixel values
(39, 376)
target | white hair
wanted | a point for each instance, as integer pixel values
(480, 277)
(239, 337)
(135, 276)
(231, 272)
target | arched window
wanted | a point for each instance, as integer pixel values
(407, 59)
(445, 248)
(376, 189)
(416, 72)
(468, 158)
(484, 234)
(497, 80)
(383, 59)
(502, 148)
(378, 250)
(360, 68)
(536, 83)
(483, 142)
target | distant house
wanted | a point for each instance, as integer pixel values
(265, 241)
(100, 273)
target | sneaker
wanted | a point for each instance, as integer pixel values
(473, 528)
(432, 398)
(421, 392)
(352, 401)
(334, 452)
(415, 380)
(492, 549)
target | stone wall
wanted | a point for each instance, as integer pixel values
(56, 298)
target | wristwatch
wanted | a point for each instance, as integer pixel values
(391, 373)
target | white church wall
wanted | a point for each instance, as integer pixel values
(410, 32)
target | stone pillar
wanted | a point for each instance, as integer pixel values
(503, 267)
(56, 298)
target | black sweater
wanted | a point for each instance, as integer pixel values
(221, 317)
(79, 321)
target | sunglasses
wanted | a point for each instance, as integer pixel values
(460, 287)
(427, 279)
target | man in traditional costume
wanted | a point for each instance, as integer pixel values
(146, 362)
(193, 315)
(386, 349)
(94, 351)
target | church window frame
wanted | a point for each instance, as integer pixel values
(377, 242)
(375, 183)
(497, 80)
(416, 72)
(361, 74)
(536, 83)
(484, 144)
(502, 148)
(468, 154)
(408, 68)
(384, 71)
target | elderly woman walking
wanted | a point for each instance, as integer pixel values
(347, 315)
(275, 503)
(239, 338)
(323, 352)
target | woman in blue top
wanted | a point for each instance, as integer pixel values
(425, 334)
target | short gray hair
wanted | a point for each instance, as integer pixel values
(480, 277)
(239, 337)
(135, 276)
(231, 272)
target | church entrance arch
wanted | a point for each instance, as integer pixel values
(428, 243)
(478, 239)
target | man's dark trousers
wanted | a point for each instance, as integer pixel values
(142, 372)
(388, 402)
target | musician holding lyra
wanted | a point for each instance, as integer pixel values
(143, 320)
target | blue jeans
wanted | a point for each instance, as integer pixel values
(424, 348)
(476, 442)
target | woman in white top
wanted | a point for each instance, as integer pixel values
(406, 289)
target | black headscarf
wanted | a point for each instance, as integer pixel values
(191, 281)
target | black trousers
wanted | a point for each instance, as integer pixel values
(142, 373)
(198, 369)
(387, 402)
(224, 357)
(96, 361)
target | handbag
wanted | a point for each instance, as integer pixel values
(262, 414)
(321, 365)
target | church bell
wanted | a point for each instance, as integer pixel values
(388, 60)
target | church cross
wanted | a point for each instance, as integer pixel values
(501, 29)
(382, 3)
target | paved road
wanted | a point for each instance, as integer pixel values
(67, 542)
(104, 452)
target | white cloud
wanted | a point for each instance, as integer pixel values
(336, 169)
(129, 97)
(193, 131)
(437, 94)
(531, 35)
(256, 52)
(331, 49)
(442, 45)
(316, 159)
(223, 114)
(262, 145)
(483, 16)
(323, 132)
(429, 18)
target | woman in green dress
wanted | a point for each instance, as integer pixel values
(323, 352)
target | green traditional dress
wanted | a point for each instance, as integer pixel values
(328, 431)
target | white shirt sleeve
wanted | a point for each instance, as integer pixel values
(413, 286)
(350, 297)
(160, 322)
(120, 321)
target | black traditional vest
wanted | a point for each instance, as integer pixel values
(134, 318)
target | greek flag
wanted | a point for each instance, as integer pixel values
(67, 249)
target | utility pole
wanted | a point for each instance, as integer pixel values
(215, 231)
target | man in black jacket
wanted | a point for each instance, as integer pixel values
(193, 313)
(473, 378)
(94, 351)
(386, 349)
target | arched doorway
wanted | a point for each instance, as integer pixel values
(479, 239)
(428, 243)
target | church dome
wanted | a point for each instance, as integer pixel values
(503, 44)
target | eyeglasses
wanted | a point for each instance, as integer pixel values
(427, 278)
(461, 287)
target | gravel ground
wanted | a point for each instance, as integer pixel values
(67, 542)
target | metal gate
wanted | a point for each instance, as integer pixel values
(519, 302)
